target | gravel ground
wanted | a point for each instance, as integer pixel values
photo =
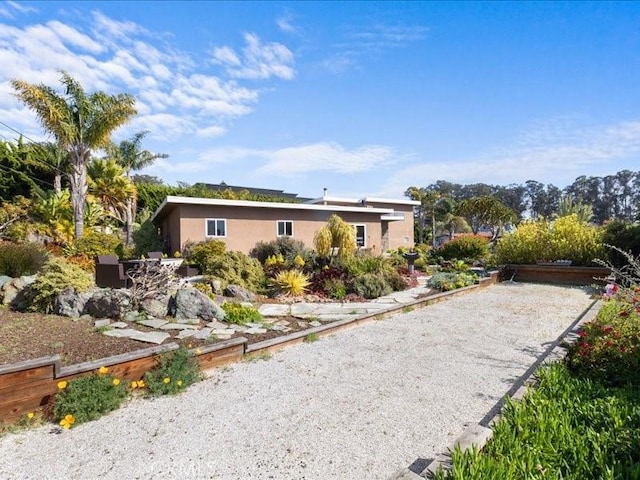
(361, 404)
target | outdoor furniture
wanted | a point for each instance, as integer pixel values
(185, 270)
(110, 272)
(154, 255)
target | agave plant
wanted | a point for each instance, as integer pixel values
(290, 282)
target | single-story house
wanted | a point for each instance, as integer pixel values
(380, 223)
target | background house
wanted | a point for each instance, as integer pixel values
(380, 223)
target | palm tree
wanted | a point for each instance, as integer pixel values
(109, 184)
(80, 122)
(433, 205)
(131, 157)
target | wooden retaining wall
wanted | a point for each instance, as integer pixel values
(567, 275)
(28, 386)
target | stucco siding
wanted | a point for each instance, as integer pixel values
(245, 226)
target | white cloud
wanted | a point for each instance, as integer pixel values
(326, 157)
(259, 61)
(211, 132)
(115, 29)
(362, 42)
(74, 37)
(555, 151)
(177, 94)
(293, 161)
(9, 8)
(285, 23)
(226, 56)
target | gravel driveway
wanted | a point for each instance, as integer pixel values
(362, 404)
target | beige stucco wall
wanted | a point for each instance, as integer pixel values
(400, 231)
(248, 225)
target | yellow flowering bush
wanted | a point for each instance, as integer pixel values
(87, 398)
(564, 239)
(175, 371)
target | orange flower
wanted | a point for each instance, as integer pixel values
(62, 384)
(30, 415)
(141, 384)
(102, 370)
(116, 381)
(67, 421)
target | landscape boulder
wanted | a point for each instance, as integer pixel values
(189, 303)
(71, 303)
(10, 290)
(109, 303)
(157, 307)
(239, 293)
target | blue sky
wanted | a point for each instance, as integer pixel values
(363, 98)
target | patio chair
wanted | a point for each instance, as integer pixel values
(110, 272)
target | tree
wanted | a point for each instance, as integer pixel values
(336, 238)
(129, 154)
(487, 212)
(109, 184)
(57, 158)
(80, 123)
(21, 171)
(433, 206)
(568, 206)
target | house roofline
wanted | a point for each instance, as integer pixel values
(360, 201)
(220, 202)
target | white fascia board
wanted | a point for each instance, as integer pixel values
(318, 200)
(273, 205)
(392, 217)
(390, 200)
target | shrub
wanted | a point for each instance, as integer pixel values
(445, 281)
(202, 253)
(334, 288)
(624, 236)
(290, 282)
(204, 288)
(529, 243)
(288, 247)
(395, 280)
(608, 349)
(176, 371)
(579, 242)
(146, 239)
(236, 268)
(56, 276)
(566, 428)
(88, 398)
(93, 243)
(371, 285)
(328, 273)
(564, 239)
(18, 259)
(240, 314)
(467, 247)
(366, 262)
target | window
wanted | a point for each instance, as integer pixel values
(216, 227)
(285, 228)
(361, 235)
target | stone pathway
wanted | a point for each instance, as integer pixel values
(310, 315)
